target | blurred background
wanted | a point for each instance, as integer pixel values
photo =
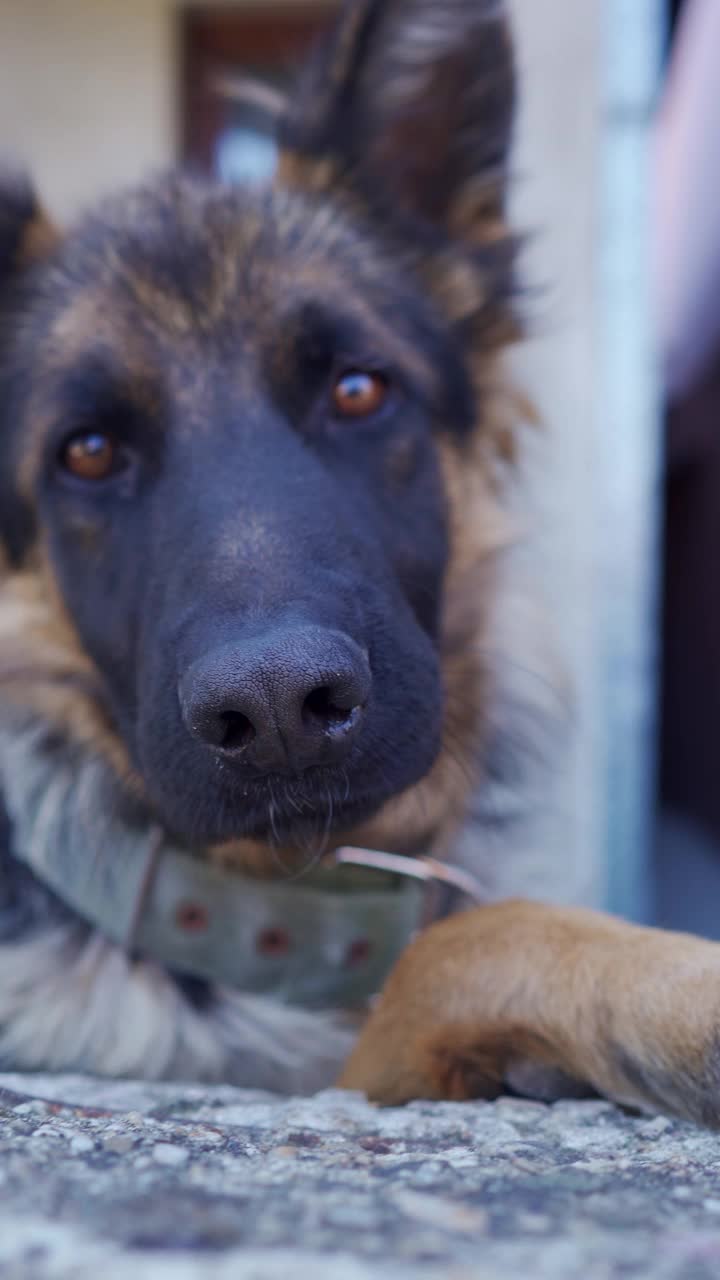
(612, 180)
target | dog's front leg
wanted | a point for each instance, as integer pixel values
(493, 995)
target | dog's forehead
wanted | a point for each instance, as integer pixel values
(184, 291)
(184, 261)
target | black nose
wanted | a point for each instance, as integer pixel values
(281, 702)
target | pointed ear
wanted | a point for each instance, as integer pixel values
(26, 232)
(26, 237)
(412, 102)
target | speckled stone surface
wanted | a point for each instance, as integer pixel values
(127, 1181)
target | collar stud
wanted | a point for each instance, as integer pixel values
(273, 941)
(192, 917)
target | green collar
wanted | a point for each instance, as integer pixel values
(327, 939)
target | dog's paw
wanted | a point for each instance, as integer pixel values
(549, 1002)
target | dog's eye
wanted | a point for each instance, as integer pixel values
(357, 394)
(90, 456)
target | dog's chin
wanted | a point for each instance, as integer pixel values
(280, 812)
(203, 805)
(312, 832)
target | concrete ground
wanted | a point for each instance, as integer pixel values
(125, 1181)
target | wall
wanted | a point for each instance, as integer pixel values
(86, 92)
(588, 75)
(555, 191)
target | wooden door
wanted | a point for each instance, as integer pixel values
(220, 133)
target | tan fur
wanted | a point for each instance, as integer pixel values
(294, 170)
(39, 239)
(44, 669)
(633, 1012)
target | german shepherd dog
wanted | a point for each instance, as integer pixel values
(254, 448)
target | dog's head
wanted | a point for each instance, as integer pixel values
(248, 440)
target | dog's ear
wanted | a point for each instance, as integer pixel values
(411, 102)
(26, 232)
(26, 237)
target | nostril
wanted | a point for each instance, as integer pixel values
(320, 708)
(237, 731)
(280, 702)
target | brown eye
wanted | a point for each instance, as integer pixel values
(358, 394)
(90, 457)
